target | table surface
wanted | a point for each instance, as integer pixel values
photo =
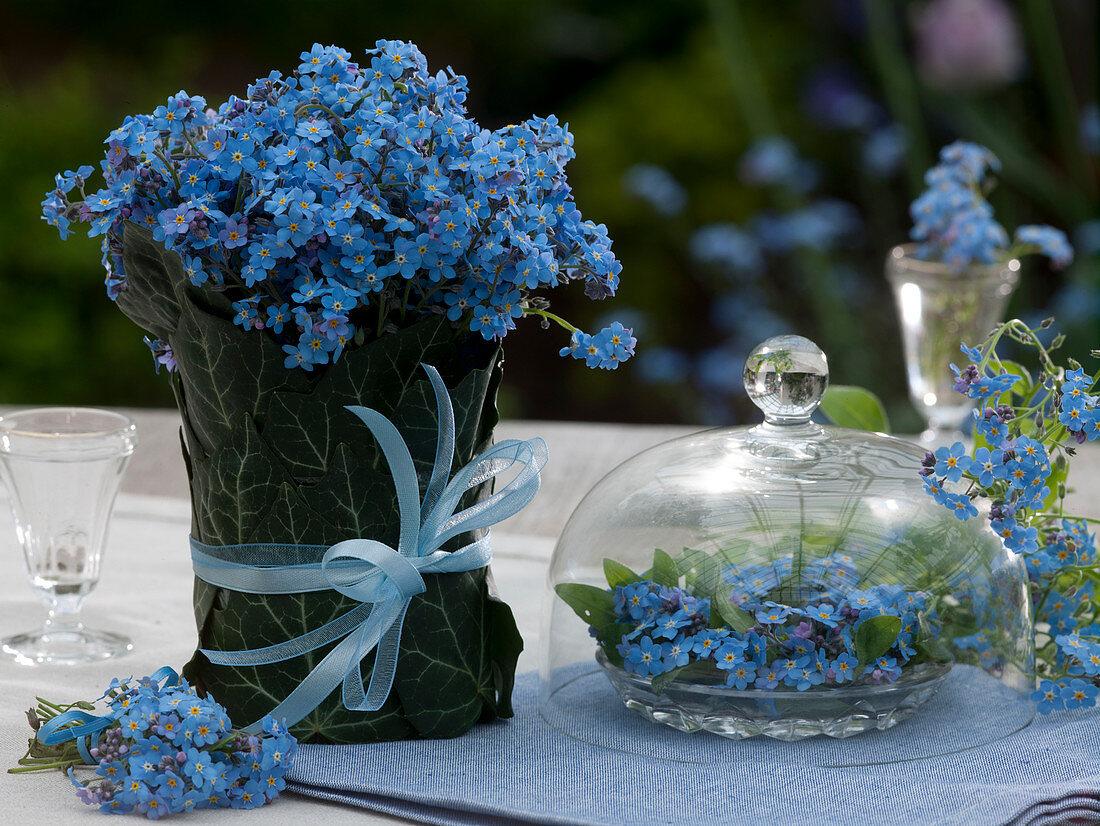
(146, 591)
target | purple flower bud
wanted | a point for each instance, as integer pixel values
(803, 631)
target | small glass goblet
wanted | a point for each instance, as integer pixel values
(940, 309)
(62, 467)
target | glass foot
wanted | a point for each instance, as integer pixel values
(70, 646)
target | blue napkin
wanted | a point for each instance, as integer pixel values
(525, 771)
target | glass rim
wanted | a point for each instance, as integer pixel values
(904, 253)
(125, 425)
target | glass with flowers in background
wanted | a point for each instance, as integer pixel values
(952, 284)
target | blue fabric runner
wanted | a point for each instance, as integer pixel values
(524, 771)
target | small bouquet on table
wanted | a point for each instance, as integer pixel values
(327, 267)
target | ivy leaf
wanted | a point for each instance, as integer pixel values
(444, 675)
(225, 372)
(596, 606)
(698, 670)
(153, 276)
(854, 407)
(618, 574)
(234, 486)
(504, 645)
(875, 637)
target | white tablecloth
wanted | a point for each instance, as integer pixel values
(146, 592)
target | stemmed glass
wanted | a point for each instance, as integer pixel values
(62, 467)
(940, 309)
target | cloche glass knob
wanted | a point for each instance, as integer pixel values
(786, 377)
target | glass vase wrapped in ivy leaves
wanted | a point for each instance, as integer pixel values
(308, 247)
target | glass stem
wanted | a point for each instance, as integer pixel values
(59, 620)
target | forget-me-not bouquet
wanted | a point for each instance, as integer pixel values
(304, 249)
(346, 200)
(1027, 427)
(159, 749)
(953, 223)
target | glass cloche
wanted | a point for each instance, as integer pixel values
(789, 579)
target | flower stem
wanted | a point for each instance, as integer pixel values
(551, 317)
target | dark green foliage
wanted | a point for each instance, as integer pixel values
(273, 456)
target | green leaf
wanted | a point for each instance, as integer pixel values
(376, 376)
(875, 637)
(153, 277)
(855, 407)
(737, 618)
(226, 372)
(234, 487)
(701, 572)
(618, 574)
(933, 650)
(664, 571)
(693, 672)
(444, 677)
(596, 606)
(504, 645)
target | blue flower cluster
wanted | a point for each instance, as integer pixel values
(172, 751)
(954, 224)
(349, 198)
(1025, 431)
(1078, 657)
(1013, 471)
(789, 646)
(1078, 410)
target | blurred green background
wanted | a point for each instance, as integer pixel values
(754, 162)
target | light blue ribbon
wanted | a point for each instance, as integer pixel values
(80, 725)
(382, 579)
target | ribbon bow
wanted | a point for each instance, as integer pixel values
(381, 578)
(80, 725)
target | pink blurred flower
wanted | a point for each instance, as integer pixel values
(967, 45)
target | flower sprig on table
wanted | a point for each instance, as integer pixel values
(953, 222)
(742, 635)
(167, 751)
(350, 199)
(1026, 432)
